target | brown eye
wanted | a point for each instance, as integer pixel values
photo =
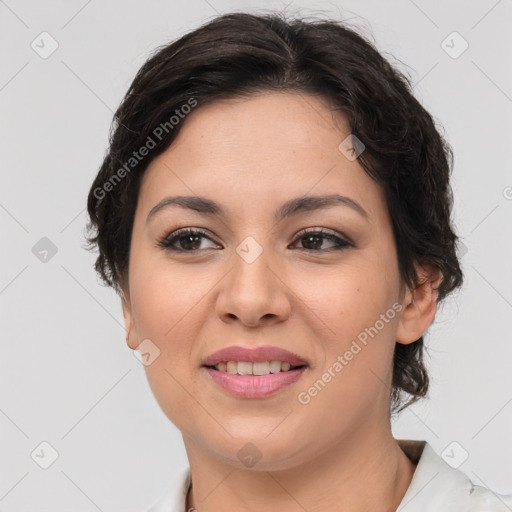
(184, 240)
(312, 240)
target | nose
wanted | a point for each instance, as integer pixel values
(253, 294)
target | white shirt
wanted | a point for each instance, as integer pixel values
(435, 487)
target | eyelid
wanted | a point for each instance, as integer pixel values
(326, 232)
(167, 240)
(163, 241)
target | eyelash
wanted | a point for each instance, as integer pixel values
(168, 241)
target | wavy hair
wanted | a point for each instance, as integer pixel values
(238, 54)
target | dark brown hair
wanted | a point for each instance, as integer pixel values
(238, 54)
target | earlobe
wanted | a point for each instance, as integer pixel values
(131, 338)
(419, 305)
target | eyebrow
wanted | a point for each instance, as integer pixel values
(292, 207)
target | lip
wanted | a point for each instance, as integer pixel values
(254, 386)
(253, 355)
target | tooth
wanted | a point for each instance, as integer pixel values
(244, 368)
(232, 367)
(261, 368)
(275, 366)
(248, 368)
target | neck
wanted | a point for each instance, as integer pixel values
(364, 472)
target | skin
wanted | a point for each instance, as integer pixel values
(251, 156)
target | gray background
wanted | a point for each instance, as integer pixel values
(67, 376)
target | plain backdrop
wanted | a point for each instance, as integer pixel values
(67, 377)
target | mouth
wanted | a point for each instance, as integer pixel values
(244, 379)
(253, 372)
(255, 369)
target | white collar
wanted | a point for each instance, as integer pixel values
(435, 487)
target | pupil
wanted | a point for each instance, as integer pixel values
(189, 237)
(314, 237)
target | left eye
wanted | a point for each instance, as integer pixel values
(189, 240)
(316, 237)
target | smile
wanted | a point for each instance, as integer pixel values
(254, 385)
(258, 368)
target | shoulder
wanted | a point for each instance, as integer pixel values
(483, 499)
(173, 499)
(437, 486)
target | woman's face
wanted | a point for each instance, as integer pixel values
(253, 279)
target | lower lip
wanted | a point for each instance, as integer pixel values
(254, 386)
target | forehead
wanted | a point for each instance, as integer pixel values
(260, 147)
(268, 120)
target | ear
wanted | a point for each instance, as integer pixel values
(131, 337)
(419, 305)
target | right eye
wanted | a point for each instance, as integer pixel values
(188, 239)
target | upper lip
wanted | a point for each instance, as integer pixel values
(253, 355)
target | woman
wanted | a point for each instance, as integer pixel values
(274, 210)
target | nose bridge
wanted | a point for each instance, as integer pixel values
(252, 289)
(251, 272)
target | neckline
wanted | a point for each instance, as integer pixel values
(412, 448)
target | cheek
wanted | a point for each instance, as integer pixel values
(354, 379)
(166, 305)
(348, 297)
(165, 296)
(356, 327)
(168, 313)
